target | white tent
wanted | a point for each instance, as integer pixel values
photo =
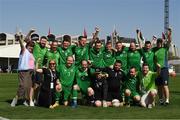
(10, 51)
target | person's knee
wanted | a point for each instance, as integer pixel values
(127, 92)
(153, 93)
(98, 103)
(75, 87)
(137, 98)
(90, 91)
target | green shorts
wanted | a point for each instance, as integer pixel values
(66, 92)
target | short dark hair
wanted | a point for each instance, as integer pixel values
(43, 37)
(80, 37)
(118, 61)
(145, 64)
(67, 38)
(132, 67)
(147, 42)
(108, 43)
(51, 37)
(98, 41)
(118, 42)
(159, 40)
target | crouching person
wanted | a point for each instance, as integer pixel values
(148, 87)
(49, 86)
(100, 87)
(131, 87)
(82, 84)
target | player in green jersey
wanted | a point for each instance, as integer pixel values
(147, 86)
(66, 49)
(82, 83)
(96, 56)
(81, 51)
(108, 55)
(53, 53)
(121, 54)
(134, 56)
(67, 75)
(131, 87)
(161, 57)
(148, 55)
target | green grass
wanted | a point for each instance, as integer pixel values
(8, 87)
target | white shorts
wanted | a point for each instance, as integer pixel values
(144, 98)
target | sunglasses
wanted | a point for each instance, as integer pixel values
(52, 63)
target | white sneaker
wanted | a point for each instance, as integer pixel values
(14, 102)
(31, 104)
(150, 106)
(105, 104)
(25, 103)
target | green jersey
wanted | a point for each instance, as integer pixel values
(39, 54)
(96, 57)
(134, 59)
(81, 53)
(64, 53)
(161, 56)
(66, 74)
(122, 56)
(52, 55)
(131, 83)
(83, 79)
(108, 58)
(147, 82)
(148, 57)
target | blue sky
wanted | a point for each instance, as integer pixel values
(72, 16)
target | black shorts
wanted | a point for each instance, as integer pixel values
(163, 78)
(113, 95)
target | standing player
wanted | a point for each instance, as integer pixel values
(81, 51)
(53, 54)
(39, 52)
(66, 49)
(134, 57)
(96, 56)
(148, 55)
(108, 55)
(121, 54)
(161, 57)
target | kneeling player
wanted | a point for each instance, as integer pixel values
(115, 79)
(99, 85)
(148, 87)
(131, 85)
(82, 83)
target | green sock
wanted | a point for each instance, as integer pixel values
(75, 94)
(127, 99)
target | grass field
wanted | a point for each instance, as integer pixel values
(8, 87)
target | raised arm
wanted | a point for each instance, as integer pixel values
(19, 38)
(139, 38)
(27, 38)
(95, 36)
(169, 36)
